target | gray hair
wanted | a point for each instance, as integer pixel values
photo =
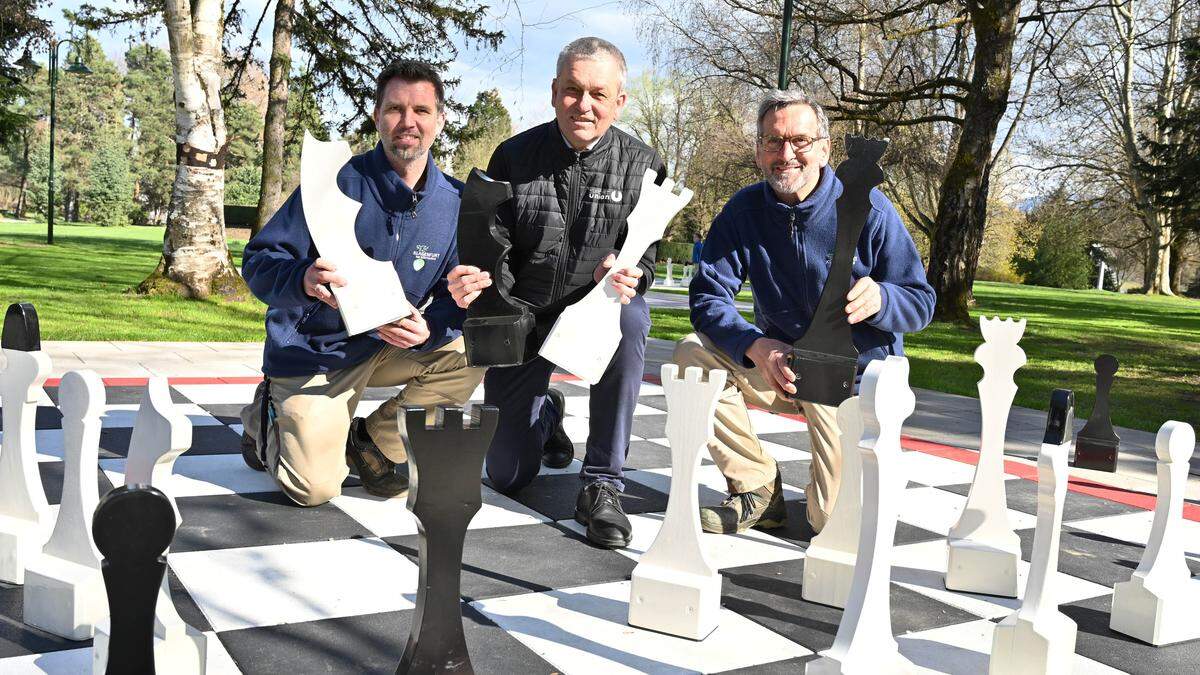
(777, 99)
(591, 48)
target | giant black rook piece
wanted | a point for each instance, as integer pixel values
(21, 330)
(1060, 419)
(496, 328)
(132, 527)
(445, 462)
(825, 359)
(1097, 444)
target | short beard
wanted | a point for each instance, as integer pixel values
(405, 154)
(782, 186)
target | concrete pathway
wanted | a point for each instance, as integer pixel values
(941, 418)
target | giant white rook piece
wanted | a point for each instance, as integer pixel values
(674, 589)
(160, 435)
(24, 513)
(984, 550)
(585, 336)
(829, 560)
(864, 642)
(1038, 638)
(372, 295)
(1158, 604)
(64, 590)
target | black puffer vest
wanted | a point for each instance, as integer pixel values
(567, 212)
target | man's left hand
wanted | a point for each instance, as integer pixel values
(410, 331)
(864, 300)
(624, 281)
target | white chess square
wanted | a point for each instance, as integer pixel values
(1135, 529)
(580, 406)
(922, 568)
(783, 453)
(289, 583)
(967, 648)
(391, 517)
(752, 547)
(938, 510)
(125, 415)
(202, 475)
(764, 422)
(217, 393)
(585, 630)
(649, 389)
(928, 469)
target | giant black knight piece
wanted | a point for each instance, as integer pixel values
(445, 462)
(825, 359)
(496, 328)
(21, 330)
(1097, 445)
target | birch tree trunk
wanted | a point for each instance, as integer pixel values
(195, 258)
(273, 129)
(962, 206)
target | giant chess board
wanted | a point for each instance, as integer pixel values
(331, 589)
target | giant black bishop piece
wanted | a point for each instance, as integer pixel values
(825, 359)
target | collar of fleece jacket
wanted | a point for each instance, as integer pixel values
(391, 191)
(823, 197)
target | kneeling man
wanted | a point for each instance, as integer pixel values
(300, 427)
(779, 235)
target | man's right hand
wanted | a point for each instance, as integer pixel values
(466, 282)
(318, 274)
(771, 357)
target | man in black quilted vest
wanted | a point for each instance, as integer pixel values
(574, 182)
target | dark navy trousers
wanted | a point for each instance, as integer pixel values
(527, 418)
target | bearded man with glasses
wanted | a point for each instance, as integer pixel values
(779, 235)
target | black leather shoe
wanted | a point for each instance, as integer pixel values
(250, 453)
(599, 508)
(559, 450)
(377, 473)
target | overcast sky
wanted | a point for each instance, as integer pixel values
(521, 69)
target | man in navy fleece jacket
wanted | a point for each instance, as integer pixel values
(779, 235)
(315, 373)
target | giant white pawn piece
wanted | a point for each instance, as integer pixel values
(373, 294)
(24, 513)
(674, 589)
(1158, 604)
(64, 590)
(984, 549)
(829, 560)
(585, 336)
(864, 642)
(1038, 638)
(160, 435)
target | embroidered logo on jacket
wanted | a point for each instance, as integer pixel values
(597, 194)
(421, 254)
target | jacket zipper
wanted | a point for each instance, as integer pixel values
(800, 256)
(560, 272)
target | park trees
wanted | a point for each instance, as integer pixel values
(487, 125)
(151, 130)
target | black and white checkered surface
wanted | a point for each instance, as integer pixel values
(331, 589)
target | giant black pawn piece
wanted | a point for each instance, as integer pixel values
(445, 462)
(21, 328)
(825, 359)
(132, 527)
(496, 328)
(1097, 444)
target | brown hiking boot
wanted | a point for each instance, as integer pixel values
(762, 508)
(377, 473)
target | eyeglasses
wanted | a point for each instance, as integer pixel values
(800, 144)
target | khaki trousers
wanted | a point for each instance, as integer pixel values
(306, 446)
(737, 451)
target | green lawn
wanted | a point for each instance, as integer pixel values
(80, 287)
(1156, 340)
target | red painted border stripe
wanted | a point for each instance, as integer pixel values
(141, 381)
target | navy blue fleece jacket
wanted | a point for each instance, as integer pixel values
(416, 231)
(785, 253)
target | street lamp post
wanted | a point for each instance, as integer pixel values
(78, 67)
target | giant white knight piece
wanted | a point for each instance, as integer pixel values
(984, 549)
(1158, 604)
(1038, 638)
(24, 512)
(674, 589)
(829, 560)
(64, 590)
(373, 294)
(864, 642)
(585, 336)
(160, 435)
